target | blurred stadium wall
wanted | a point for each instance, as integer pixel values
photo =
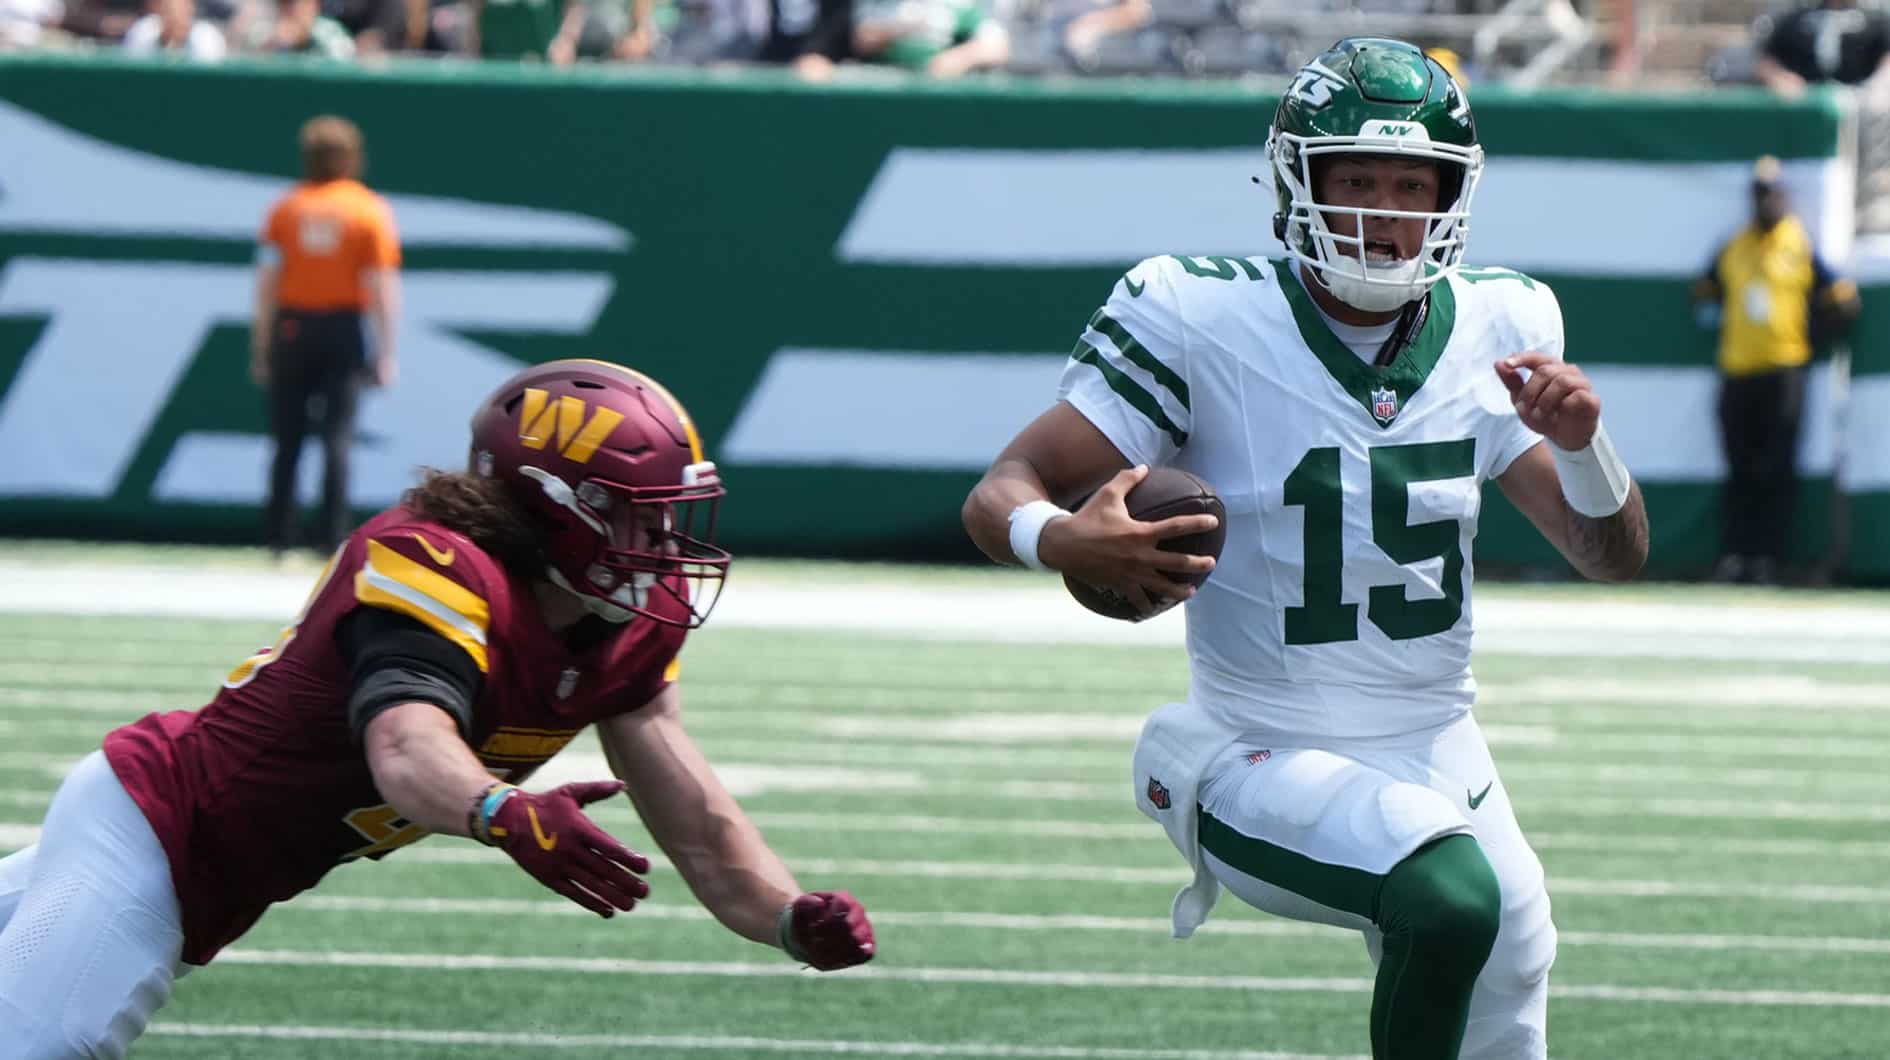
(859, 290)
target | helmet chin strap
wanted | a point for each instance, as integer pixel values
(1378, 288)
(617, 609)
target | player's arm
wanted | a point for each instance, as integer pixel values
(1016, 514)
(717, 849)
(1573, 486)
(1125, 405)
(411, 700)
(416, 652)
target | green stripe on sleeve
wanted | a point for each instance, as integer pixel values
(1130, 391)
(1138, 355)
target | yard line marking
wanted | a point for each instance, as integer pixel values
(1798, 692)
(1873, 807)
(1152, 926)
(1140, 981)
(717, 1042)
(15, 835)
(1114, 874)
(1667, 844)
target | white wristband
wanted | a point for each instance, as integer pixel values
(1593, 478)
(1027, 523)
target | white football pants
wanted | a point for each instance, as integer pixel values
(90, 931)
(1366, 805)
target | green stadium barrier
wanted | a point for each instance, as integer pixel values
(860, 290)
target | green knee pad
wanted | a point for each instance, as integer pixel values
(1439, 910)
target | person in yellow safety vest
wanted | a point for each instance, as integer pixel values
(1769, 291)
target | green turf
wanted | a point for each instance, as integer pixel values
(1633, 779)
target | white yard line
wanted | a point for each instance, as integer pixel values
(15, 836)
(1075, 922)
(1115, 874)
(1139, 981)
(1028, 610)
(663, 1043)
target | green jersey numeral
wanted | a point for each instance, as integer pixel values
(1219, 268)
(1491, 272)
(1324, 617)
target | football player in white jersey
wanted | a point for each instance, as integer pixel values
(1347, 402)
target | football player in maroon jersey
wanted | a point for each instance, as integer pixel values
(452, 645)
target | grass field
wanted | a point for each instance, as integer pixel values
(1715, 823)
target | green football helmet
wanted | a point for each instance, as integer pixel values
(1368, 95)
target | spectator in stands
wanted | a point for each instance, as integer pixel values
(620, 31)
(943, 38)
(298, 26)
(809, 35)
(1764, 286)
(328, 256)
(715, 31)
(29, 23)
(173, 26)
(1083, 34)
(529, 30)
(1821, 41)
(102, 19)
(375, 26)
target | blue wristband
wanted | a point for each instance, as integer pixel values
(488, 804)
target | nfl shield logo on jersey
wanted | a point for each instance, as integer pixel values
(567, 682)
(1157, 794)
(1384, 404)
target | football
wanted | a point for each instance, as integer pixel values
(1164, 493)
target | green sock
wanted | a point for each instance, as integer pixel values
(1439, 910)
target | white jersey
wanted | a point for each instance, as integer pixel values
(1341, 603)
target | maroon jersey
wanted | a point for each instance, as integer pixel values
(257, 795)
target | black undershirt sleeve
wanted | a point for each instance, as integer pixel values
(393, 659)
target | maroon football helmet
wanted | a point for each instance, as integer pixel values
(611, 466)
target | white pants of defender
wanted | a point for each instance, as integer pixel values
(90, 931)
(1368, 804)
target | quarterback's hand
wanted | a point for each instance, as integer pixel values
(1556, 400)
(828, 930)
(1104, 545)
(549, 836)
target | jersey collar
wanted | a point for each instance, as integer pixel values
(1367, 383)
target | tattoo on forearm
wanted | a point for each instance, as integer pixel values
(1613, 547)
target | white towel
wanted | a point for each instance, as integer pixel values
(1178, 743)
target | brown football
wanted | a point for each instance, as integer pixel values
(1164, 493)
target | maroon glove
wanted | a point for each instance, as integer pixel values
(827, 929)
(549, 836)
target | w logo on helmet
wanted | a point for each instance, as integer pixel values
(540, 419)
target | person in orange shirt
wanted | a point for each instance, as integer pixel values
(329, 258)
